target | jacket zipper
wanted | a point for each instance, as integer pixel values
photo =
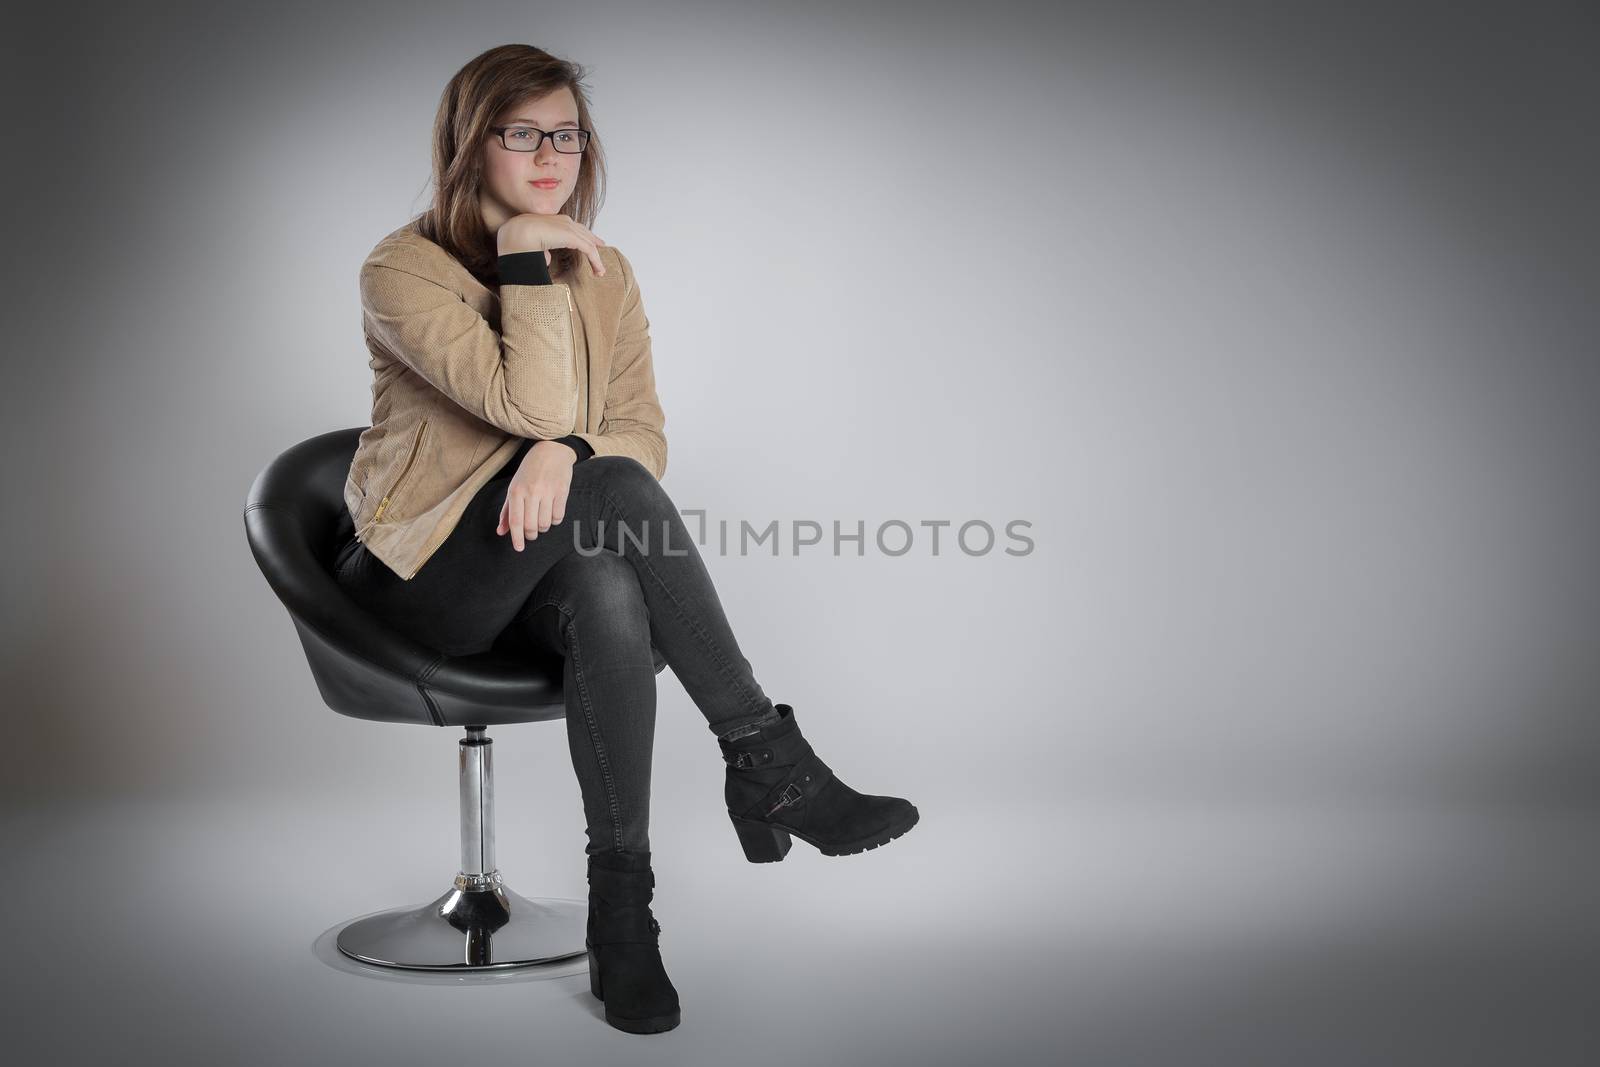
(426, 555)
(416, 448)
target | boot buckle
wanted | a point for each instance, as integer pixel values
(791, 795)
(746, 760)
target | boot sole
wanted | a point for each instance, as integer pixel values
(654, 1025)
(765, 842)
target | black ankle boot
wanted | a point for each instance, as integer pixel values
(625, 967)
(778, 786)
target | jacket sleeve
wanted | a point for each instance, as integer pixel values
(632, 422)
(530, 268)
(522, 379)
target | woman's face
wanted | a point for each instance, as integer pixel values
(508, 176)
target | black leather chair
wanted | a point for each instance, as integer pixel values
(295, 519)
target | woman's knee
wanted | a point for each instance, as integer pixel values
(629, 480)
(605, 594)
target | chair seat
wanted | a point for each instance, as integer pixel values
(296, 520)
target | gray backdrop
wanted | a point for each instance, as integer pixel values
(1274, 323)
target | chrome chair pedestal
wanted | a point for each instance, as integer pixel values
(473, 930)
(478, 924)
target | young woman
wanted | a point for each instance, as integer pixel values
(514, 400)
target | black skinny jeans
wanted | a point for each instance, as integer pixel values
(618, 573)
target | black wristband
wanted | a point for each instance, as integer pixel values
(523, 268)
(583, 448)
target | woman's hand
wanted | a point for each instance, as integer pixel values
(536, 233)
(537, 496)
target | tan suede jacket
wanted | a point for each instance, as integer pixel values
(462, 374)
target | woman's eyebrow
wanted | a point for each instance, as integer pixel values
(530, 122)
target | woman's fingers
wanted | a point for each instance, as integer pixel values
(584, 231)
(531, 509)
(588, 244)
(592, 250)
(538, 516)
(535, 516)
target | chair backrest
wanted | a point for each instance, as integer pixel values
(295, 519)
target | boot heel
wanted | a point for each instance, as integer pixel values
(763, 843)
(594, 974)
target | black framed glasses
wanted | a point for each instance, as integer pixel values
(529, 138)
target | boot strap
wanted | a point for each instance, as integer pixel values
(808, 777)
(790, 748)
(622, 885)
(741, 761)
(628, 924)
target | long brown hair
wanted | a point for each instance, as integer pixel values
(486, 86)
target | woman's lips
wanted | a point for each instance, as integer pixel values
(545, 183)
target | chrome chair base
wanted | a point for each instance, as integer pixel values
(478, 925)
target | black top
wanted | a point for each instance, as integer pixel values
(529, 268)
